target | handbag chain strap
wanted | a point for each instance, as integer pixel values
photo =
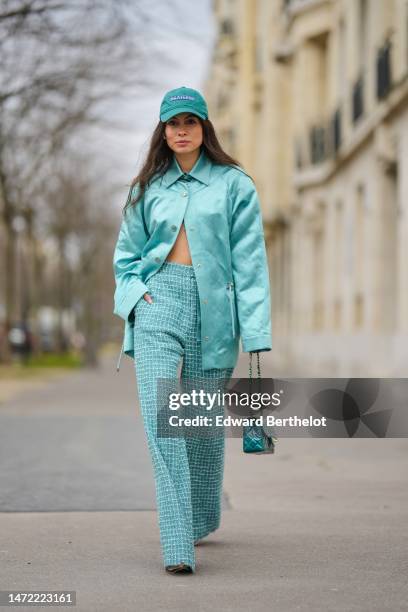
(251, 379)
(258, 364)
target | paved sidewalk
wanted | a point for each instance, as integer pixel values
(319, 526)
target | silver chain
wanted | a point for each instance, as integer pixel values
(258, 364)
(251, 380)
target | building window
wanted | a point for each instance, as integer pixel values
(384, 70)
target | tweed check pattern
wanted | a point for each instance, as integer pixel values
(188, 470)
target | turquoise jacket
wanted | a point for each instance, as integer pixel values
(220, 208)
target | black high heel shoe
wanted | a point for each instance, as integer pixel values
(180, 568)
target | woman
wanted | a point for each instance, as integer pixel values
(191, 279)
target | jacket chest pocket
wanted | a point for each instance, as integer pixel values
(231, 298)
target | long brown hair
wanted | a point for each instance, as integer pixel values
(160, 156)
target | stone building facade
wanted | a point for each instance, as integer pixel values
(312, 97)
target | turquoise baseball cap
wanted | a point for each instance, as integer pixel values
(183, 100)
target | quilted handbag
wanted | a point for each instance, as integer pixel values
(255, 439)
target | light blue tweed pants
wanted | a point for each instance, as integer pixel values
(188, 470)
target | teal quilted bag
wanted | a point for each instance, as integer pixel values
(255, 439)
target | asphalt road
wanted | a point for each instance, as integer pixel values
(319, 526)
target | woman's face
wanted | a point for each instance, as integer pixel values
(184, 133)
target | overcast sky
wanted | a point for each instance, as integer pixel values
(184, 32)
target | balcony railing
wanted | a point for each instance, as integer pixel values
(384, 79)
(297, 4)
(322, 143)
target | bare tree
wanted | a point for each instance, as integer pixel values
(80, 222)
(60, 61)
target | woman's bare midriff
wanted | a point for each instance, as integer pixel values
(180, 253)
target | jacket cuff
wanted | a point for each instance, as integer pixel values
(256, 343)
(133, 295)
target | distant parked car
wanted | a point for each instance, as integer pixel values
(20, 340)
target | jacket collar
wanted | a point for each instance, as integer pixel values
(200, 171)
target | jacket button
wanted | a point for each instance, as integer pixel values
(205, 301)
(205, 337)
(192, 229)
(157, 259)
(198, 265)
(184, 194)
(174, 228)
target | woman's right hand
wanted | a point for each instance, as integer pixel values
(148, 298)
